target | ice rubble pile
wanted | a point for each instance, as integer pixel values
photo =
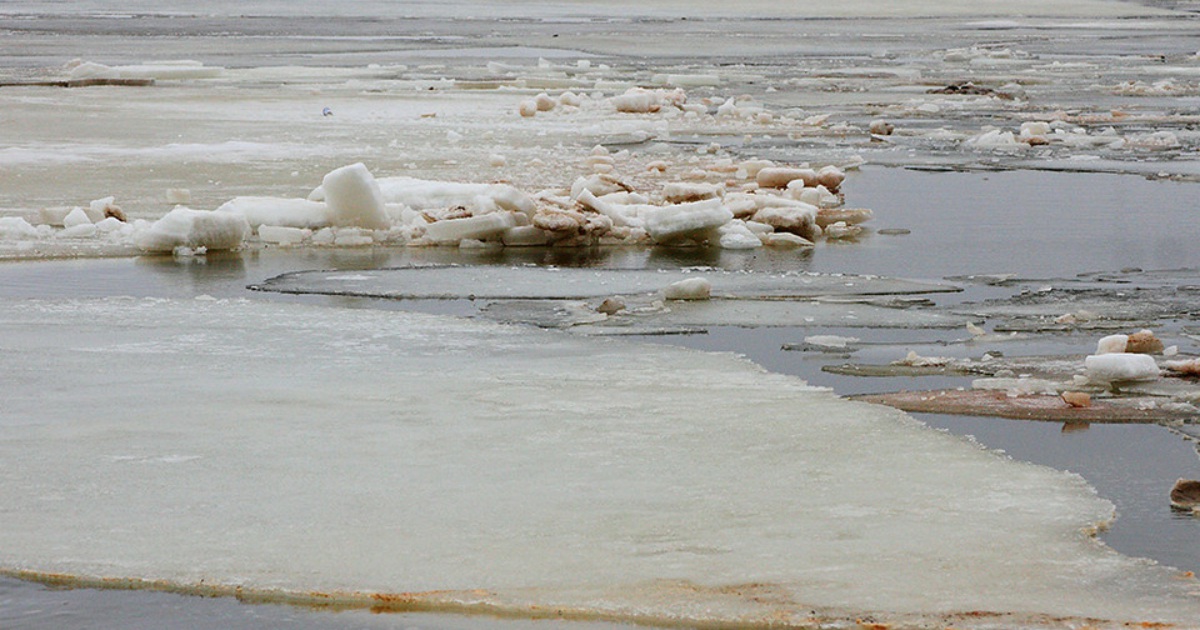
(1065, 134)
(733, 205)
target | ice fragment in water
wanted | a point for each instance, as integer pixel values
(1112, 344)
(1121, 366)
(690, 289)
(354, 198)
(192, 229)
(293, 213)
(685, 220)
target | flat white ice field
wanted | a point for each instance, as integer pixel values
(300, 451)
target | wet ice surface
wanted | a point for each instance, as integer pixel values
(541, 469)
(435, 97)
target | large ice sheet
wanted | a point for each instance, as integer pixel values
(498, 282)
(278, 446)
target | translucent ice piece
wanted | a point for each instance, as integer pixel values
(314, 454)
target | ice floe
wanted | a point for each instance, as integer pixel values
(577, 475)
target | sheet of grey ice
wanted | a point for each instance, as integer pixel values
(530, 282)
(280, 446)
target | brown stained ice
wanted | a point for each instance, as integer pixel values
(973, 402)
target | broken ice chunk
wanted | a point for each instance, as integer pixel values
(690, 289)
(480, 227)
(830, 341)
(1190, 367)
(1112, 344)
(193, 229)
(293, 213)
(785, 215)
(1121, 366)
(75, 218)
(1144, 342)
(354, 198)
(780, 177)
(736, 235)
(685, 220)
(1185, 495)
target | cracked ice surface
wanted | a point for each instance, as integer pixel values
(304, 448)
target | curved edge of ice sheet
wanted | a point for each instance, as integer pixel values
(505, 282)
(400, 461)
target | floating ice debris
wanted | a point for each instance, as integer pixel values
(1112, 344)
(611, 306)
(283, 235)
(997, 140)
(1185, 495)
(1188, 367)
(1076, 399)
(784, 215)
(1042, 407)
(915, 360)
(689, 289)
(642, 101)
(279, 212)
(1120, 367)
(780, 177)
(193, 229)
(686, 220)
(482, 226)
(1143, 342)
(354, 198)
(167, 70)
(16, 228)
(831, 341)
(785, 240)
(1156, 141)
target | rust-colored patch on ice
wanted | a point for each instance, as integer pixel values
(1031, 407)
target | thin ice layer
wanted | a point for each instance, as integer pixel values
(310, 449)
(686, 315)
(578, 283)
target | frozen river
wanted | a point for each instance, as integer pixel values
(355, 446)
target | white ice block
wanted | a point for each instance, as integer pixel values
(1121, 366)
(354, 198)
(184, 227)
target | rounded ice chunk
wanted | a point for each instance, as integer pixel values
(1121, 366)
(690, 289)
(184, 227)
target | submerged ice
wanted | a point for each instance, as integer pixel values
(310, 450)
